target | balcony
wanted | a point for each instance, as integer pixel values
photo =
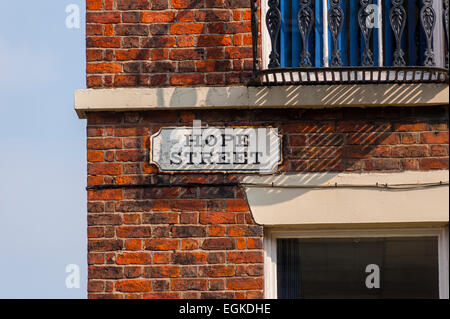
(349, 41)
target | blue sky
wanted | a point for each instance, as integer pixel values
(42, 150)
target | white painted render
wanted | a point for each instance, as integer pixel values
(243, 97)
(347, 206)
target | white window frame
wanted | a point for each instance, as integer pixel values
(438, 36)
(272, 234)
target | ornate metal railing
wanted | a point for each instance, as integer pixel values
(350, 41)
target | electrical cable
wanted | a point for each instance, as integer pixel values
(404, 186)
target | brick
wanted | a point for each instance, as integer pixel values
(161, 258)
(161, 205)
(255, 270)
(130, 156)
(134, 206)
(187, 231)
(433, 163)
(161, 295)
(103, 17)
(185, 16)
(96, 286)
(132, 54)
(159, 42)
(236, 205)
(410, 151)
(94, 4)
(187, 28)
(187, 4)
(95, 232)
(126, 80)
(189, 218)
(104, 68)
(382, 164)
(95, 156)
(245, 283)
(132, 272)
(189, 205)
(215, 258)
(160, 54)
(138, 258)
(213, 40)
(104, 219)
(434, 138)
(105, 169)
(104, 245)
(186, 79)
(188, 258)
(410, 163)
(94, 55)
(189, 244)
(409, 138)
(212, 15)
(159, 67)
(238, 27)
(160, 218)
(105, 272)
(373, 138)
(189, 284)
(238, 53)
(134, 286)
(105, 194)
(161, 193)
(187, 54)
(439, 150)
(216, 231)
(133, 231)
(131, 29)
(133, 244)
(410, 127)
(103, 42)
(93, 81)
(157, 16)
(161, 244)
(244, 257)
(133, 5)
(217, 218)
(217, 271)
(162, 272)
(104, 143)
(131, 17)
(218, 244)
(254, 243)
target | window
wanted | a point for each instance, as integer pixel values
(381, 264)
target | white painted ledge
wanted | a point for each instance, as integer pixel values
(312, 96)
(349, 206)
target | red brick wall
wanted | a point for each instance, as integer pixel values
(167, 42)
(200, 241)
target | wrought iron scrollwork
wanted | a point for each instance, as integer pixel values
(397, 18)
(428, 21)
(336, 21)
(273, 21)
(445, 16)
(363, 15)
(305, 24)
(255, 27)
